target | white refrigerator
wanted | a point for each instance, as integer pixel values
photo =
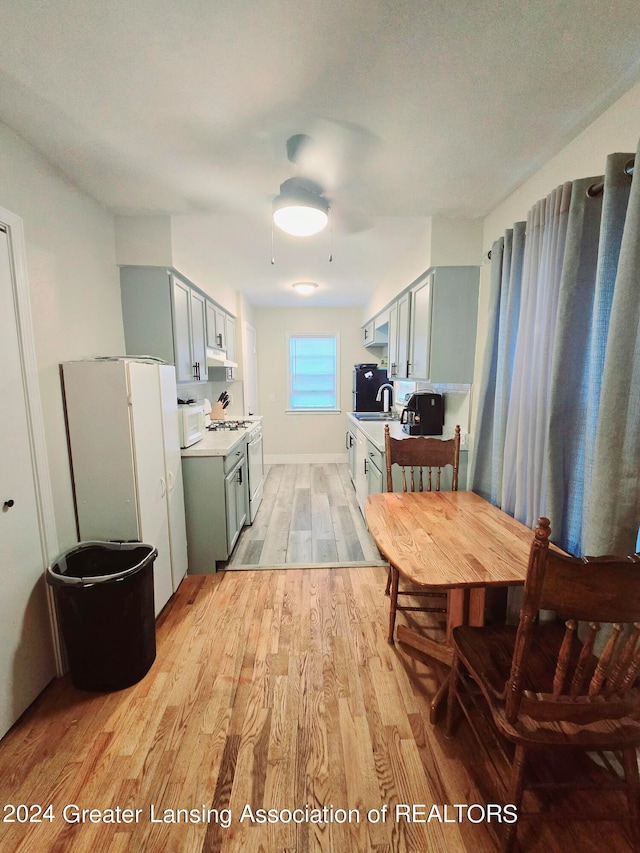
(122, 424)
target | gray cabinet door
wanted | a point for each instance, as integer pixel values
(351, 450)
(211, 324)
(420, 337)
(182, 331)
(235, 487)
(404, 307)
(198, 334)
(230, 326)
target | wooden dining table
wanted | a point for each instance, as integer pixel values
(454, 542)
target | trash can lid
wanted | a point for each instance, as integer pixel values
(90, 563)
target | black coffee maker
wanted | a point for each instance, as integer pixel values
(423, 414)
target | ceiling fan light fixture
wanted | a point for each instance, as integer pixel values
(304, 288)
(300, 209)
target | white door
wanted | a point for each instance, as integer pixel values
(173, 468)
(148, 440)
(250, 371)
(26, 651)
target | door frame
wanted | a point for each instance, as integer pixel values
(35, 421)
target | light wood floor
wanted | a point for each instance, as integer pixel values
(272, 690)
(309, 516)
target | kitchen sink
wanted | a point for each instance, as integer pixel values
(374, 416)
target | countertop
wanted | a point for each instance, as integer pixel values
(222, 442)
(374, 431)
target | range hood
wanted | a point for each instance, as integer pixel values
(218, 358)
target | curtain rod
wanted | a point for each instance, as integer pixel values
(596, 189)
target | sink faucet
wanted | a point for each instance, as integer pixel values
(386, 399)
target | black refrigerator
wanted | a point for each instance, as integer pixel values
(367, 378)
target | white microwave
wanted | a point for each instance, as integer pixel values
(191, 423)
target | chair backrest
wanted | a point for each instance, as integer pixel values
(420, 452)
(589, 677)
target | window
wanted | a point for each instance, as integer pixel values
(313, 372)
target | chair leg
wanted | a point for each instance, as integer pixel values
(632, 778)
(388, 587)
(452, 695)
(393, 601)
(514, 795)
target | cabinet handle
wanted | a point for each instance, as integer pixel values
(163, 487)
(240, 476)
(365, 465)
(171, 479)
(393, 368)
(219, 337)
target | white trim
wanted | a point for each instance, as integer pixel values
(305, 458)
(313, 411)
(26, 343)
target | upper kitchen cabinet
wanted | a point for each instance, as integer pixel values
(221, 330)
(376, 331)
(398, 354)
(442, 328)
(165, 315)
(189, 333)
(216, 327)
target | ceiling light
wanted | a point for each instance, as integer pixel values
(300, 209)
(304, 288)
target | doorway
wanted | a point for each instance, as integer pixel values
(29, 658)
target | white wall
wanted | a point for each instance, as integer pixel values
(194, 255)
(413, 264)
(74, 288)
(303, 435)
(444, 242)
(182, 242)
(144, 241)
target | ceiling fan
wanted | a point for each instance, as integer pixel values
(302, 207)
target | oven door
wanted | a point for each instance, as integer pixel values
(256, 471)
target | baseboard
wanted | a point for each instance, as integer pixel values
(306, 458)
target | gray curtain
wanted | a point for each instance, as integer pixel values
(559, 402)
(613, 511)
(507, 256)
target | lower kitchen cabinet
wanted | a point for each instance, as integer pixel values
(216, 503)
(376, 470)
(351, 442)
(236, 499)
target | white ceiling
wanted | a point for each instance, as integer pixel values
(419, 108)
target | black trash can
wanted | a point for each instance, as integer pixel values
(104, 596)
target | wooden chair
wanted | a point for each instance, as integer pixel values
(548, 685)
(413, 455)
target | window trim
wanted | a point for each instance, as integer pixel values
(313, 411)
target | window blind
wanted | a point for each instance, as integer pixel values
(313, 372)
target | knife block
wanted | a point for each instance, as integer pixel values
(217, 412)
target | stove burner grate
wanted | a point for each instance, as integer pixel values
(220, 425)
